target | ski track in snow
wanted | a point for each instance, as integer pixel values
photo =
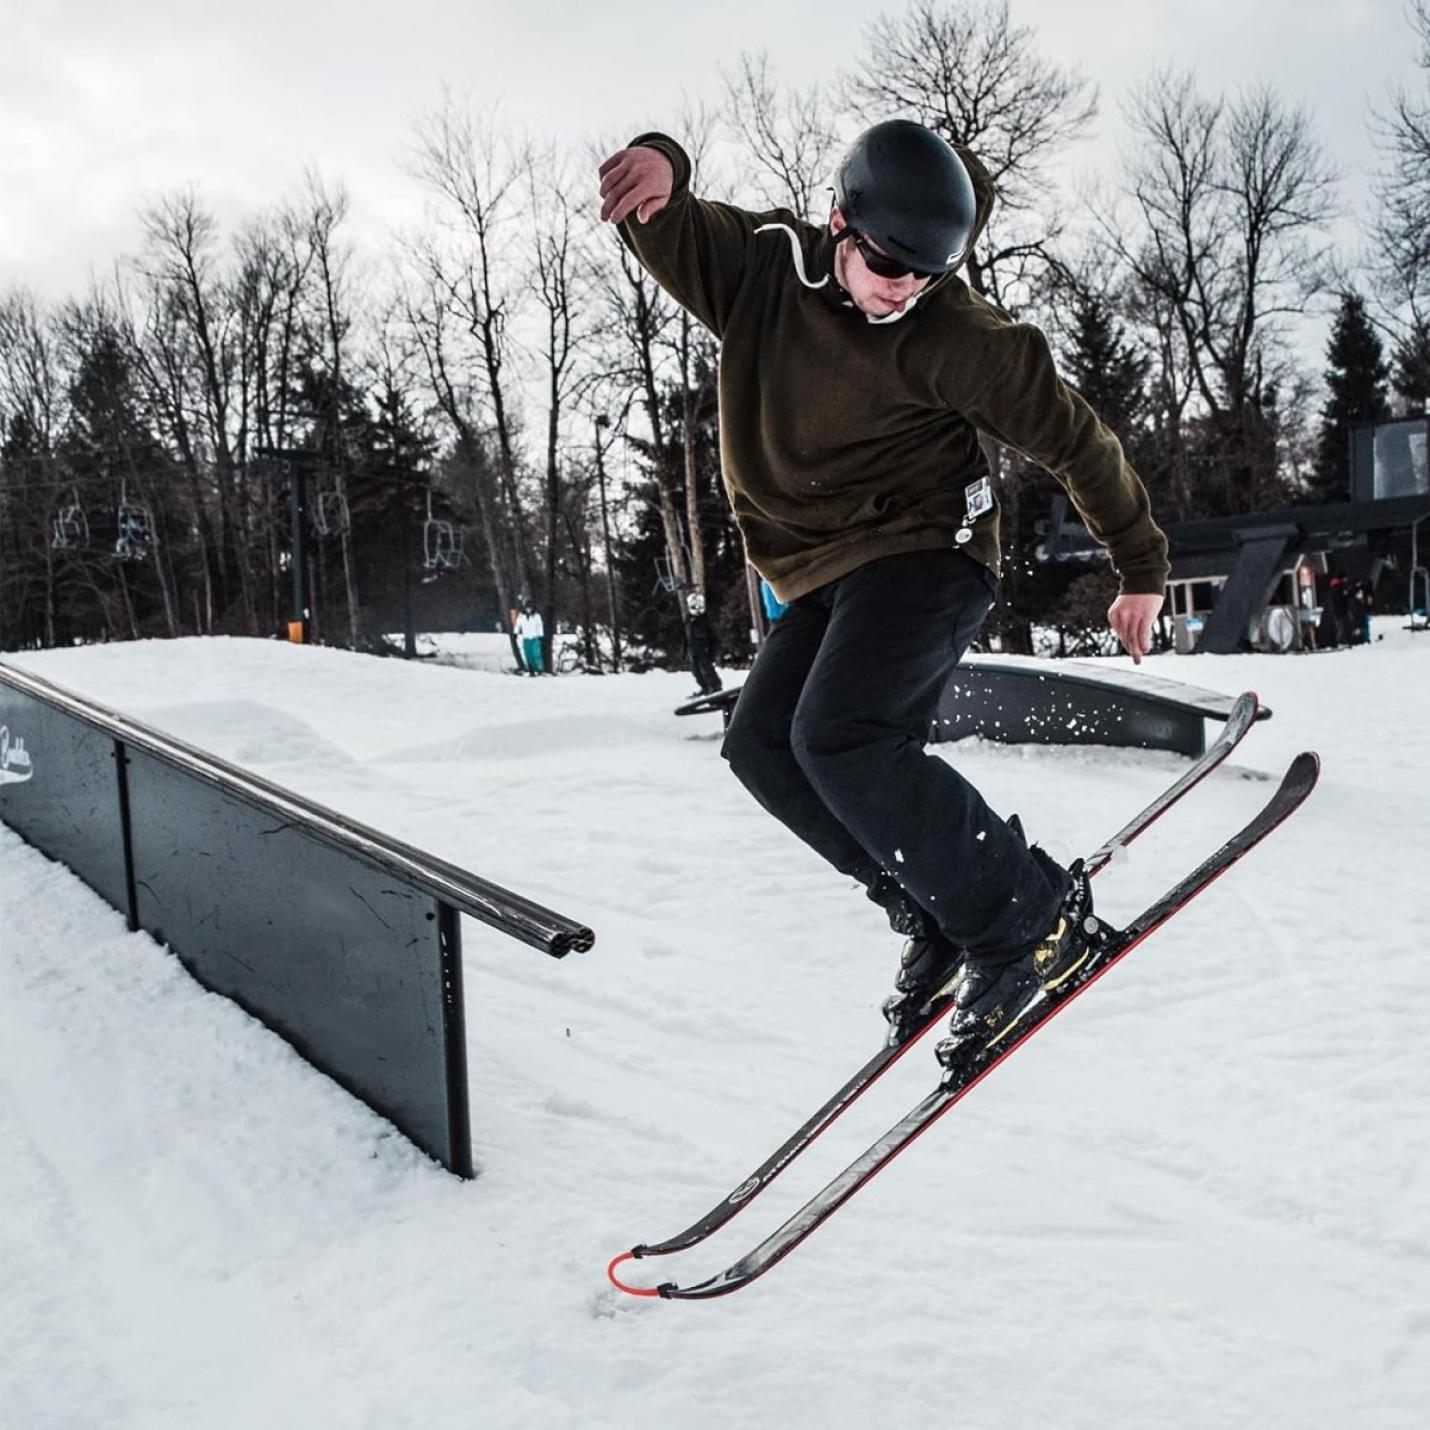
(1198, 1200)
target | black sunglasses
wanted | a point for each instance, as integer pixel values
(880, 263)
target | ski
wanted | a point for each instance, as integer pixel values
(1243, 715)
(1297, 784)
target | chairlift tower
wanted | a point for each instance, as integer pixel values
(296, 462)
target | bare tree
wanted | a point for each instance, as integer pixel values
(695, 362)
(601, 446)
(198, 333)
(968, 72)
(164, 349)
(789, 136)
(428, 313)
(477, 173)
(645, 323)
(30, 377)
(32, 499)
(1230, 201)
(560, 283)
(664, 348)
(1401, 232)
(274, 262)
(324, 213)
(1170, 389)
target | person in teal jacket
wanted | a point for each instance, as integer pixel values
(530, 629)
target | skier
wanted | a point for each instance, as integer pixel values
(702, 646)
(856, 374)
(1363, 602)
(530, 629)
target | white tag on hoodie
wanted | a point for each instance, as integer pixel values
(978, 496)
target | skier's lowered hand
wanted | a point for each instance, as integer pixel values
(1132, 618)
(635, 180)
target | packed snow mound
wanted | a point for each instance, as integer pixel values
(247, 733)
(526, 739)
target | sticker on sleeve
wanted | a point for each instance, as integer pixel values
(979, 498)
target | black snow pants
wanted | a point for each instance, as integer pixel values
(702, 654)
(829, 733)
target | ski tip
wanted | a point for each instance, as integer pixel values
(620, 1285)
(1246, 710)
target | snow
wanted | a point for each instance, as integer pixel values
(1199, 1199)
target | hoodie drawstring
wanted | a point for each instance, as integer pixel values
(797, 253)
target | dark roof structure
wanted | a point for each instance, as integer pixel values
(1389, 475)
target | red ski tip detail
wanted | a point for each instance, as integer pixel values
(621, 1285)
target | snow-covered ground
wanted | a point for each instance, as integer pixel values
(1201, 1199)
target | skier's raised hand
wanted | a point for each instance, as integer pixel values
(635, 180)
(1132, 618)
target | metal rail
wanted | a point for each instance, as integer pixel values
(499, 908)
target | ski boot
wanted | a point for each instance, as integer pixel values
(929, 968)
(928, 964)
(996, 996)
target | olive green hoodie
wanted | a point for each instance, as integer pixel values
(844, 439)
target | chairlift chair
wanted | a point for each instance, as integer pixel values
(331, 516)
(665, 575)
(452, 555)
(136, 529)
(441, 542)
(441, 545)
(71, 528)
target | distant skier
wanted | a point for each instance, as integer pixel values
(702, 646)
(856, 374)
(1363, 603)
(530, 629)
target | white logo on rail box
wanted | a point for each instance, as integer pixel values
(15, 765)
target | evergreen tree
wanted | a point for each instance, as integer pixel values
(115, 468)
(27, 499)
(652, 614)
(1105, 368)
(1412, 370)
(371, 492)
(1356, 377)
(1099, 360)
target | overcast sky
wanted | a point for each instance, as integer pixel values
(106, 105)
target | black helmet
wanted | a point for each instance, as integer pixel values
(902, 185)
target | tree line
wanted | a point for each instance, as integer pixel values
(504, 410)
